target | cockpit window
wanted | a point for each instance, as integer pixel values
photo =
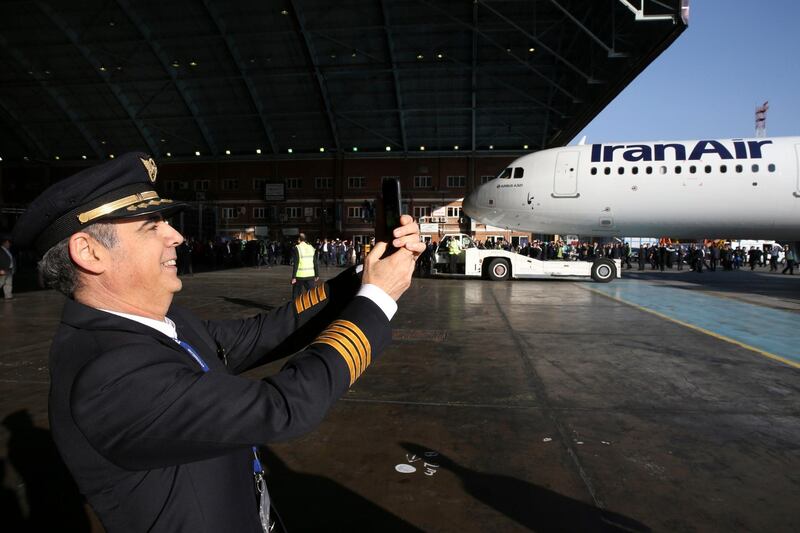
(518, 172)
(505, 174)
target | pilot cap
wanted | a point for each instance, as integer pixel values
(118, 189)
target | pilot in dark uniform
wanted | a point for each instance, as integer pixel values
(146, 405)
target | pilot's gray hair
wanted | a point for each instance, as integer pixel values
(58, 271)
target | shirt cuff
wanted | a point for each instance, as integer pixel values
(380, 298)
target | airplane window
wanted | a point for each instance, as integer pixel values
(708, 169)
(518, 172)
(755, 168)
(505, 174)
(662, 170)
(649, 170)
(692, 169)
(771, 167)
(738, 169)
(723, 168)
(678, 169)
(635, 170)
(606, 171)
(594, 171)
(621, 171)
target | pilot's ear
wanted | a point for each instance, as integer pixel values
(87, 253)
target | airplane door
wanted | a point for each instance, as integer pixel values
(565, 183)
(797, 171)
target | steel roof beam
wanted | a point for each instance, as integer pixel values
(474, 84)
(368, 129)
(233, 50)
(609, 49)
(57, 98)
(395, 75)
(499, 46)
(123, 100)
(180, 85)
(539, 43)
(317, 74)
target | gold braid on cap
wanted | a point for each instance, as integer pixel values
(110, 207)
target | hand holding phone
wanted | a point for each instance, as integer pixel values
(387, 213)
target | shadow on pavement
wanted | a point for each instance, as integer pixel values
(531, 506)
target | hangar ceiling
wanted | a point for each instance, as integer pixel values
(90, 78)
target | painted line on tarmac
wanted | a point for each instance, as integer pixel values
(764, 353)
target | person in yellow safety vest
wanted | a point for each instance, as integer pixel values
(306, 267)
(454, 249)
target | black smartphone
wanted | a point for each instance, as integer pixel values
(387, 213)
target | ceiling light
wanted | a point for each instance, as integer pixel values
(111, 23)
(57, 158)
(176, 64)
(525, 147)
(333, 56)
(111, 156)
(284, 12)
(163, 140)
(388, 148)
(455, 147)
(290, 150)
(169, 154)
(227, 152)
(531, 49)
(102, 142)
(439, 55)
(422, 148)
(102, 68)
(258, 151)
(420, 57)
(192, 63)
(353, 54)
(321, 148)
(83, 157)
(119, 68)
(47, 72)
(355, 148)
(26, 158)
(1, 158)
(508, 50)
(491, 147)
(197, 153)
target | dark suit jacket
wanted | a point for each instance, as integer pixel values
(158, 445)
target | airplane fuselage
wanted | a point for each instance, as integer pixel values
(732, 188)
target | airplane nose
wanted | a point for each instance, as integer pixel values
(472, 205)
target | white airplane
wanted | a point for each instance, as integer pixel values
(732, 188)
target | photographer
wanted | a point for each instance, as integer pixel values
(146, 405)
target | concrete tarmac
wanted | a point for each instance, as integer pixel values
(525, 405)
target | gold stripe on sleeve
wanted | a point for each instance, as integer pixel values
(322, 295)
(313, 295)
(352, 349)
(298, 304)
(358, 346)
(336, 345)
(306, 300)
(360, 334)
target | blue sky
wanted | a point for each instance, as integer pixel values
(734, 55)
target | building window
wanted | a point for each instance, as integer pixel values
(201, 185)
(456, 182)
(259, 212)
(230, 212)
(323, 183)
(294, 212)
(294, 183)
(356, 182)
(421, 211)
(487, 179)
(172, 186)
(423, 182)
(230, 184)
(454, 211)
(258, 184)
(355, 212)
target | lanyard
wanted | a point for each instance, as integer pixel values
(257, 468)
